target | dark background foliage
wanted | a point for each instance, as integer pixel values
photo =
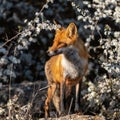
(27, 30)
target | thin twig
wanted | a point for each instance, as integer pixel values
(70, 106)
(9, 90)
(33, 98)
(40, 90)
(10, 40)
(44, 88)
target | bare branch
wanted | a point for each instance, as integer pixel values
(10, 40)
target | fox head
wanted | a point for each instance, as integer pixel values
(64, 37)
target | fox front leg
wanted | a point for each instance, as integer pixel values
(62, 97)
(77, 98)
(51, 91)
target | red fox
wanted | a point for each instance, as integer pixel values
(66, 67)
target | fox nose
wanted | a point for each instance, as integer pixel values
(51, 53)
(48, 53)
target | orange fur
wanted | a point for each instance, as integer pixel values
(66, 67)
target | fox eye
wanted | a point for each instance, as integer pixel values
(59, 42)
(62, 42)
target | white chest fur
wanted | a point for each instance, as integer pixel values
(73, 65)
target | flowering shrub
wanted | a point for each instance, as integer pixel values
(23, 56)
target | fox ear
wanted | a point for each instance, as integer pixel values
(71, 30)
